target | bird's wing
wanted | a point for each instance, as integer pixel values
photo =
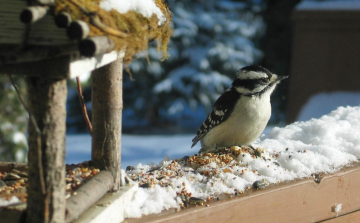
(223, 107)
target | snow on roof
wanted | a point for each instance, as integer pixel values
(145, 7)
(301, 149)
(329, 5)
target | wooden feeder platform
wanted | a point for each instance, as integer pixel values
(296, 201)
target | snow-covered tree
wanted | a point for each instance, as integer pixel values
(212, 39)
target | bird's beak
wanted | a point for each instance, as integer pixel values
(276, 78)
(281, 78)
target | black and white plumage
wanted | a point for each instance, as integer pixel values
(241, 113)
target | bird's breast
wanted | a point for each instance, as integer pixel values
(247, 121)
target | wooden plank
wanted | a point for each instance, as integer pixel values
(300, 201)
(12, 5)
(352, 217)
(43, 32)
(75, 65)
(56, 67)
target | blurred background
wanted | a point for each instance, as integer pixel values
(316, 43)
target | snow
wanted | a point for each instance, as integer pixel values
(296, 151)
(11, 201)
(318, 105)
(337, 208)
(329, 5)
(19, 137)
(145, 149)
(145, 7)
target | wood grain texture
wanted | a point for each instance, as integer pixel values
(47, 106)
(107, 108)
(88, 194)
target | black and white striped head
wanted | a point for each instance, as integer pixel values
(255, 80)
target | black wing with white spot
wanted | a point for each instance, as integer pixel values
(223, 107)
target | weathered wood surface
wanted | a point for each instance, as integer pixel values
(352, 217)
(88, 194)
(44, 32)
(63, 19)
(74, 64)
(34, 57)
(110, 208)
(8, 166)
(106, 119)
(78, 30)
(33, 13)
(46, 155)
(96, 45)
(299, 201)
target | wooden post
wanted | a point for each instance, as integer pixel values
(106, 119)
(46, 156)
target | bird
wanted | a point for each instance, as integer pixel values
(241, 113)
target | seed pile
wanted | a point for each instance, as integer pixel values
(225, 166)
(76, 175)
(13, 184)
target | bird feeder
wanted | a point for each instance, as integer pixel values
(48, 41)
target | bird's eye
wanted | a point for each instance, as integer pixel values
(264, 80)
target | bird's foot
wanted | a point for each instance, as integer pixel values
(250, 147)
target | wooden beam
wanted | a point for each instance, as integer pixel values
(33, 13)
(46, 155)
(110, 208)
(52, 68)
(106, 119)
(88, 194)
(63, 19)
(96, 45)
(9, 166)
(75, 66)
(78, 30)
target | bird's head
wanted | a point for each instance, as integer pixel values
(254, 80)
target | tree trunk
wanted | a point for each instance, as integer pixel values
(46, 156)
(106, 117)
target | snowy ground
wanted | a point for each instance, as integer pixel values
(135, 149)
